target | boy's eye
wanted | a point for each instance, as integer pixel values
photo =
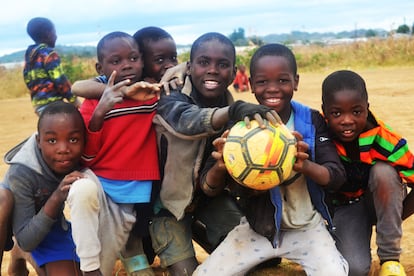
(261, 82)
(203, 62)
(357, 112)
(51, 141)
(335, 114)
(159, 60)
(134, 58)
(73, 140)
(224, 65)
(284, 80)
(115, 62)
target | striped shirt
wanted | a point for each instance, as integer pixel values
(44, 76)
(377, 144)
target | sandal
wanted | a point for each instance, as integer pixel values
(137, 265)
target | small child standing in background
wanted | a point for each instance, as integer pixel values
(378, 165)
(43, 73)
(241, 81)
(40, 176)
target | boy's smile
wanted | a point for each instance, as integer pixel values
(274, 83)
(212, 69)
(346, 114)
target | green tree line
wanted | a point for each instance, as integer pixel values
(374, 52)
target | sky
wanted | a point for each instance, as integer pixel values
(84, 22)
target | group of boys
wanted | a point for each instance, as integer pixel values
(144, 163)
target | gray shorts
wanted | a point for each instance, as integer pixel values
(172, 239)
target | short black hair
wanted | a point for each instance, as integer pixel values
(341, 80)
(108, 37)
(209, 37)
(38, 28)
(151, 33)
(60, 107)
(274, 49)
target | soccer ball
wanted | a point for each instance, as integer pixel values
(259, 158)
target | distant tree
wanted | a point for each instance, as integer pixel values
(256, 40)
(370, 33)
(412, 30)
(403, 29)
(238, 37)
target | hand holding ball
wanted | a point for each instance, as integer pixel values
(259, 158)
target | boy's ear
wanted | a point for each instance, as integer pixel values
(188, 68)
(37, 139)
(98, 68)
(295, 88)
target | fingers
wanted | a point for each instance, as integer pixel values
(166, 87)
(273, 117)
(297, 135)
(112, 78)
(247, 121)
(219, 142)
(301, 156)
(143, 91)
(176, 83)
(225, 133)
(259, 120)
(119, 84)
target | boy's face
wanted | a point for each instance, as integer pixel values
(159, 56)
(212, 69)
(61, 140)
(346, 114)
(273, 84)
(121, 55)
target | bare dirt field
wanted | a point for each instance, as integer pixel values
(391, 97)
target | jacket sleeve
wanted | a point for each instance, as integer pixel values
(326, 154)
(29, 227)
(184, 116)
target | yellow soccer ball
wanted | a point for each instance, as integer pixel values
(259, 158)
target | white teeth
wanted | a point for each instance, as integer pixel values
(347, 131)
(273, 100)
(210, 84)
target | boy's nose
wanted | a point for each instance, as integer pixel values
(273, 86)
(169, 65)
(212, 69)
(62, 147)
(347, 119)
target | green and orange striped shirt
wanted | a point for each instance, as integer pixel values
(382, 144)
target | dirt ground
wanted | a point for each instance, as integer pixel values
(391, 93)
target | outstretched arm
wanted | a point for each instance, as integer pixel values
(89, 89)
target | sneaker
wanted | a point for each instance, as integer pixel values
(392, 268)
